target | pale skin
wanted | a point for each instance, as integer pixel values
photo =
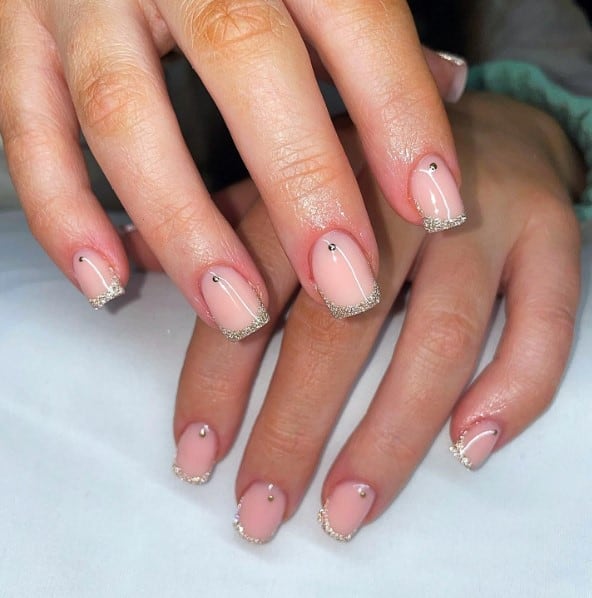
(520, 172)
(94, 67)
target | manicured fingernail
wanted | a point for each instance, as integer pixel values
(436, 195)
(233, 303)
(475, 445)
(196, 454)
(96, 277)
(344, 511)
(459, 77)
(260, 512)
(343, 276)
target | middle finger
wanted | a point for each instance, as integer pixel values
(254, 63)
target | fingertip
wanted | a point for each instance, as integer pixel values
(450, 73)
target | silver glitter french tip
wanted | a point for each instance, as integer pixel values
(260, 320)
(323, 519)
(476, 444)
(234, 304)
(436, 196)
(197, 480)
(346, 509)
(343, 276)
(196, 453)
(340, 312)
(436, 225)
(97, 278)
(260, 512)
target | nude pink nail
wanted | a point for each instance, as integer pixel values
(460, 72)
(196, 454)
(234, 304)
(96, 277)
(343, 276)
(475, 445)
(260, 512)
(345, 510)
(436, 195)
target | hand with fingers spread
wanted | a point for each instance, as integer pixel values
(518, 170)
(94, 66)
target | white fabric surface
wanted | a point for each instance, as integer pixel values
(89, 505)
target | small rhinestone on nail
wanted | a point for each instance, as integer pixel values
(215, 278)
(331, 247)
(433, 167)
(203, 432)
(362, 493)
(270, 496)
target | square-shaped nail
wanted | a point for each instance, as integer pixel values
(234, 304)
(436, 195)
(196, 454)
(260, 512)
(96, 277)
(343, 275)
(345, 510)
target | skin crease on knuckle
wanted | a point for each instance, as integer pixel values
(112, 95)
(287, 436)
(232, 27)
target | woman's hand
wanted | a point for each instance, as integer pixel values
(519, 170)
(96, 65)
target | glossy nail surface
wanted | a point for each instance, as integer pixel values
(343, 276)
(436, 195)
(196, 454)
(459, 78)
(96, 277)
(345, 510)
(233, 303)
(475, 445)
(260, 512)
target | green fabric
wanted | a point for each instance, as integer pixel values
(529, 84)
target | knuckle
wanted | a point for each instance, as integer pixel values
(401, 109)
(298, 172)
(288, 437)
(225, 25)
(176, 221)
(448, 336)
(391, 445)
(112, 99)
(317, 333)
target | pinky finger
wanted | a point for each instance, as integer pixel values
(542, 294)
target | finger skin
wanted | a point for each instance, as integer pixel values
(446, 319)
(299, 411)
(254, 63)
(234, 202)
(209, 390)
(397, 110)
(41, 141)
(542, 294)
(114, 74)
(457, 275)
